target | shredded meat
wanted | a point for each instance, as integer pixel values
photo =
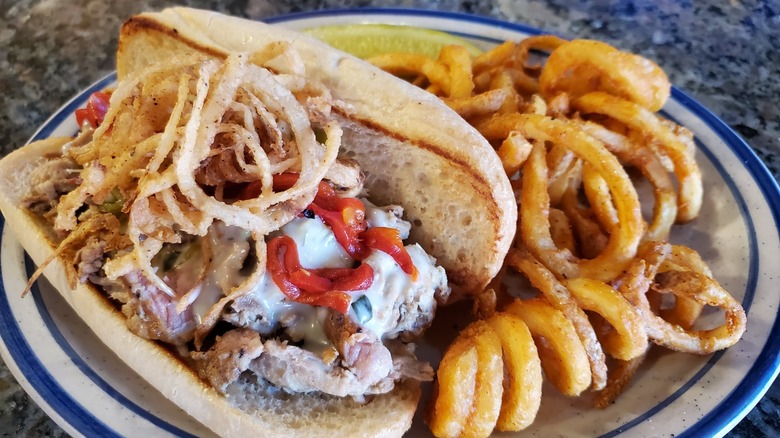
(90, 257)
(48, 182)
(413, 318)
(299, 370)
(221, 168)
(152, 314)
(228, 358)
(247, 311)
(72, 201)
(363, 354)
(346, 177)
(115, 289)
(406, 366)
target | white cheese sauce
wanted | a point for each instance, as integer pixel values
(229, 249)
(392, 285)
(317, 245)
(318, 248)
(388, 216)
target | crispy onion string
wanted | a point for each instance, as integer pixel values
(197, 126)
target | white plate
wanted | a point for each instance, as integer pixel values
(88, 391)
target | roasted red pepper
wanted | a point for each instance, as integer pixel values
(318, 287)
(347, 279)
(346, 217)
(284, 181)
(389, 241)
(95, 111)
(347, 235)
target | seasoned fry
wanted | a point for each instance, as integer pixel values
(411, 64)
(534, 215)
(569, 175)
(690, 192)
(546, 43)
(702, 289)
(622, 243)
(560, 298)
(482, 104)
(513, 100)
(597, 192)
(581, 66)
(685, 311)
(458, 61)
(455, 386)
(489, 380)
(523, 373)
(561, 231)
(493, 58)
(643, 158)
(591, 237)
(629, 339)
(564, 360)
(565, 130)
(513, 152)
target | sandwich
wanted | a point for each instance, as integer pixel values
(262, 226)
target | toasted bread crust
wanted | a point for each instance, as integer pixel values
(385, 415)
(465, 209)
(471, 258)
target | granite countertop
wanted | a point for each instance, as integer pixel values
(724, 54)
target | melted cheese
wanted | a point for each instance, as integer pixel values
(317, 245)
(390, 285)
(386, 217)
(318, 248)
(229, 248)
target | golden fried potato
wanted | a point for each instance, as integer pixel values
(535, 201)
(489, 380)
(479, 105)
(670, 143)
(558, 297)
(513, 152)
(581, 66)
(455, 386)
(563, 357)
(629, 338)
(522, 373)
(561, 231)
(458, 61)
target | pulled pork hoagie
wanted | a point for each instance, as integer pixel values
(211, 223)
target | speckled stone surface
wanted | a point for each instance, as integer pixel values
(724, 54)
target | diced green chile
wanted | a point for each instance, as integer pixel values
(172, 256)
(320, 135)
(114, 203)
(363, 310)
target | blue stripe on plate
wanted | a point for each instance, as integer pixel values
(747, 300)
(765, 369)
(87, 370)
(404, 12)
(36, 373)
(84, 417)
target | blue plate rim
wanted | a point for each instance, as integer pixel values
(767, 364)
